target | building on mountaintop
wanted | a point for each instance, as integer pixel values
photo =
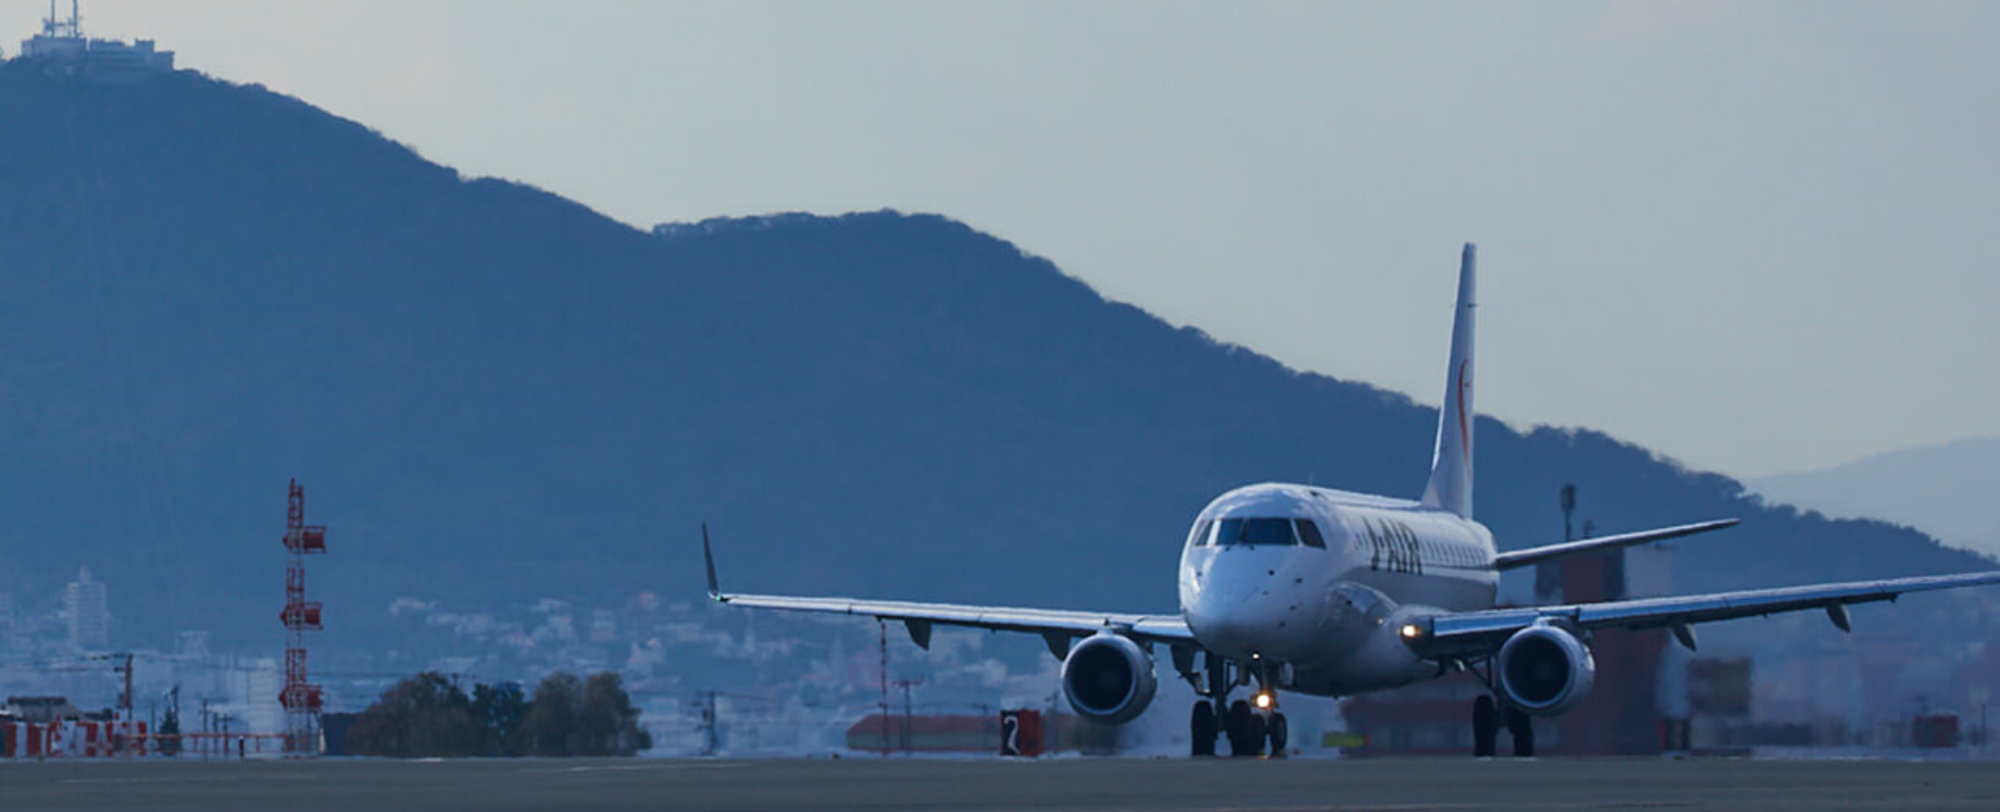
(63, 50)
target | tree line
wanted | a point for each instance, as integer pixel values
(428, 715)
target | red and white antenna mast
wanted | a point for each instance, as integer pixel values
(300, 698)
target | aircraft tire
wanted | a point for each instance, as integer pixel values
(1246, 736)
(1203, 727)
(1522, 728)
(1275, 730)
(1485, 727)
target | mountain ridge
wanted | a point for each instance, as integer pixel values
(1936, 487)
(494, 395)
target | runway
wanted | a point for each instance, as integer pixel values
(993, 784)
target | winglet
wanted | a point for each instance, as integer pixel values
(708, 556)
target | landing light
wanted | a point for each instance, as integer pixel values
(1263, 700)
(1412, 631)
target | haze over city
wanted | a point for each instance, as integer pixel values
(1750, 236)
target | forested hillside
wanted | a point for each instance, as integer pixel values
(494, 394)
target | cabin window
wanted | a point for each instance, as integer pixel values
(1309, 533)
(1255, 532)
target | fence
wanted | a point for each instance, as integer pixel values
(119, 739)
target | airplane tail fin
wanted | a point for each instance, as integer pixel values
(1450, 487)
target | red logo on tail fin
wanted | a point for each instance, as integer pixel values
(1464, 429)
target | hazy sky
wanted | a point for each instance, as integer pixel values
(1755, 236)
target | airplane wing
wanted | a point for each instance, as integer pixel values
(1536, 555)
(1472, 634)
(1057, 627)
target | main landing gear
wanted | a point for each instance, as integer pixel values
(1488, 716)
(1203, 727)
(1522, 727)
(1251, 727)
(1485, 726)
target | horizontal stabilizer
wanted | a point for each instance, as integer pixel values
(1537, 555)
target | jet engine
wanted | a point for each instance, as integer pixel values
(1108, 678)
(1545, 670)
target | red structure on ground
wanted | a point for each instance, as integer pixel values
(300, 698)
(73, 738)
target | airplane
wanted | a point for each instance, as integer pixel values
(1322, 592)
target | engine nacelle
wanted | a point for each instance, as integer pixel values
(1545, 670)
(1108, 678)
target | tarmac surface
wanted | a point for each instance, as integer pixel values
(989, 784)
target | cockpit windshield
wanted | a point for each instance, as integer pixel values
(1276, 532)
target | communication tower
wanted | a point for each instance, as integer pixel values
(59, 28)
(300, 698)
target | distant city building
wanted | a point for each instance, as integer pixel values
(86, 602)
(251, 687)
(603, 626)
(11, 645)
(62, 49)
(192, 645)
(40, 709)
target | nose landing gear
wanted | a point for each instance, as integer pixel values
(1249, 728)
(1276, 734)
(1246, 730)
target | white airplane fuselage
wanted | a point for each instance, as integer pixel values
(1325, 620)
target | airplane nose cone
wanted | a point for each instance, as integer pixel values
(1212, 616)
(1241, 611)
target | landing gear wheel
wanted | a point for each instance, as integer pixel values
(1246, 731)
(1485, 727)
(1274, 730)
(1522, 727)
(1203, 727)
